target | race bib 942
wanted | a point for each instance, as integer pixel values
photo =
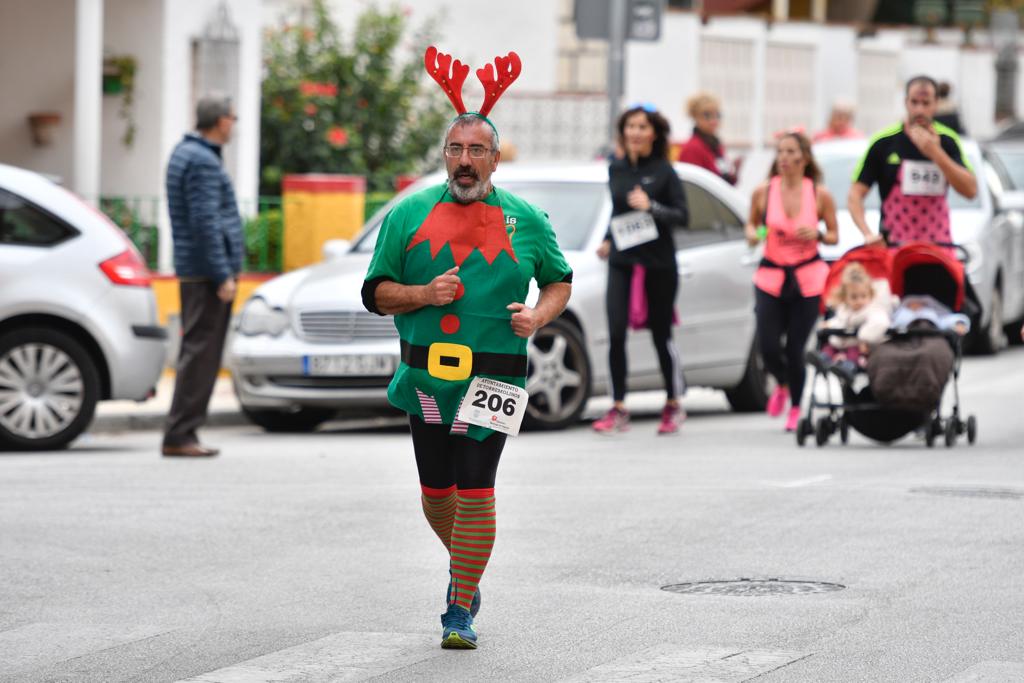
(922, 178)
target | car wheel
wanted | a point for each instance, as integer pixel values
(303, 419)
(751, 394)
(557, 377)
(992, 339)
(49, 385)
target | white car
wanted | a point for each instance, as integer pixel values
(305, 346)
(990, 228)
(78, 319)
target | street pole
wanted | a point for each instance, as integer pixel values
(616, 63)
(1004, 26)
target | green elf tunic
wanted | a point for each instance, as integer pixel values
(499, 244)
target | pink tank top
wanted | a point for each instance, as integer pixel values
(784, 248)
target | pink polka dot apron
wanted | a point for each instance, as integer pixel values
(916, 208)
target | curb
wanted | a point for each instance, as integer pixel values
(155, 421)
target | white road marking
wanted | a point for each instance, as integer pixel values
(796, 483)
(347, 656)
(669, 662)
(42, 644)
(990, 672)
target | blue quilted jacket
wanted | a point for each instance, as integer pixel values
(205, 223)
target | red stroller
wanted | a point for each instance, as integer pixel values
(914, 269)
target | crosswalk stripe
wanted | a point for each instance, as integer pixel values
(668, 662)
(346, 656)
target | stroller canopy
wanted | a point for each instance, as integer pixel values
(923, 268)
(876, 259)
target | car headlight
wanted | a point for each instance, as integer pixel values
(259, 318)
(975, 257)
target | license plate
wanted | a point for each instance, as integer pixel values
(362, 364)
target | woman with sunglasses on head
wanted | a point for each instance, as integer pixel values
(789, 282)
(647, 204)
(704, 149)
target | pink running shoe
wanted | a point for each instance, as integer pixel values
(777, 401)
(671, 418)
(615, 420)
(794, 419)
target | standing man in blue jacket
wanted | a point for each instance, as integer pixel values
(208, 250)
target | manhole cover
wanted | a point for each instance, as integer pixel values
(754, 587)
(971, 492)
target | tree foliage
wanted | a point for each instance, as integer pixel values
(360, 106)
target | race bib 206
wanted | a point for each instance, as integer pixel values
(494, 405)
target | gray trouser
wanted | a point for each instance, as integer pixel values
(204, 325)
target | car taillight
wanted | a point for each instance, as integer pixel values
(127, 268)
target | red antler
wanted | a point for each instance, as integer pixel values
(508, 70)
(437, 65)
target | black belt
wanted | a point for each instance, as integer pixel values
(766, 263)
(504, 364)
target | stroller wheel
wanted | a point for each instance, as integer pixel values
(972, 429)
(844, 430)
(951, 431)
(823, 431)
(803, 430)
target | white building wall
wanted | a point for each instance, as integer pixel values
(134, 171)
(37, 42)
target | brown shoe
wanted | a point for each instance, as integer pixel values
(192, 450)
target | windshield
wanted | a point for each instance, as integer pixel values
(1013, 162)
(838, 172)
(573, 209)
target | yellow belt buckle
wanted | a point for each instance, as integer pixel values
(452, 362)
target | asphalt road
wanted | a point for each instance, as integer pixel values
(306, 558)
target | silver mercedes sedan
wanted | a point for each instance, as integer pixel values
(305, 347)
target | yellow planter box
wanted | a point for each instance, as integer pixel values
(317, 208)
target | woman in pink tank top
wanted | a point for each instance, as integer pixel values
(789, 281)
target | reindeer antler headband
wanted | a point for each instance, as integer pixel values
(450, 75)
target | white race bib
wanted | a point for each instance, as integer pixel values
(633, 228)
(922, 178)
(494, 405)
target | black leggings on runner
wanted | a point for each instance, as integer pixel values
(444, 459)
(792, 317)
(661, 285)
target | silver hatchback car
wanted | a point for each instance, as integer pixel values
(305, 347)
(78, 319)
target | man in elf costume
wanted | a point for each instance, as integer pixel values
(453, 264)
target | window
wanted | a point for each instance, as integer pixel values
(710, 220)
(24, 224)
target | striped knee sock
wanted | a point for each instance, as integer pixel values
(439, 509)
(472, 541)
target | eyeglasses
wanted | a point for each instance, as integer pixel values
(454, 151)
(711, 115)
(646, 106)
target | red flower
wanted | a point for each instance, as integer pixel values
(328, 89)
(337, 136)
(311, 109)
(311, 89)
(362, 103)
(308, 88)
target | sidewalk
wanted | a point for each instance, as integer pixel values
(119, 416)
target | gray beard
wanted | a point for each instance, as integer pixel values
(477, 192)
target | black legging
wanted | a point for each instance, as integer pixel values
(444, 459)
(792, 316)
(661, 285)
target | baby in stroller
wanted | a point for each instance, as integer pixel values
(922, 309)
(860, 308)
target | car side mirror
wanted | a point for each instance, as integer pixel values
(1011, 201)
(335, 249)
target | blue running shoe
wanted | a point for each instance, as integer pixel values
(458, 633)
(474, 606)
